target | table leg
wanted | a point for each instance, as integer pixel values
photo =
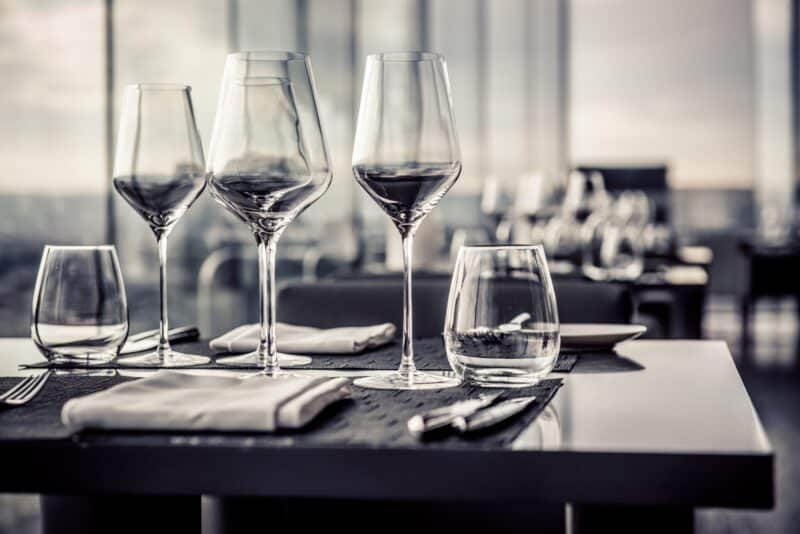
(120, 514)
(251, 515)
(591, 519)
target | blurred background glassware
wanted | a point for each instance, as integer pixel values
(634, 208)
(612, 246)
(268, 161)
(406, 156)
(593, 265)
(467, 237)
(537, 201)
(502, 326)
(497, 204)
(158, 170)
(659, 239)
(562, 239)
(80, 311)
(622, 252)
(543, 434)
(585, 194)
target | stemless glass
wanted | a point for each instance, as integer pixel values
(80, 313)
(406, 157)
(158, 170)
(502, 328)
(268, 161)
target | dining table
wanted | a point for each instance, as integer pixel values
(634, 440)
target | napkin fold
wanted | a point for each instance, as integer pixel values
(170, 400)
(305, 339)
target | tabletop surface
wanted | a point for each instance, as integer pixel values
(660, 422)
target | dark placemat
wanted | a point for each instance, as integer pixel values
(565, 362)
(41, 417)
(429, 356)
(374, 418)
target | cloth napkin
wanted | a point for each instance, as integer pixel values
(169, 400)
(305, 339)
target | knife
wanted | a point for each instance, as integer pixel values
(149, 339)
(425, 423)
(491, 415)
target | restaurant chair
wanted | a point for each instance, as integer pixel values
(362, 301)
(227, 285)
(770, 273)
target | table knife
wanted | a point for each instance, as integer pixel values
(491, 415)
(426, 423)
(149, 340)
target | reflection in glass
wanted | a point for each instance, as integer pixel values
(543, 434)
(502, 324)
(80, 312)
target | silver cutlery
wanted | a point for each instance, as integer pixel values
(25, 390)
(148, 340)
(491, 415)
(428, 422)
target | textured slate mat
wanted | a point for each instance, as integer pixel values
(429, 356)
(373, 418)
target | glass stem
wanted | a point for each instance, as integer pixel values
(267, 349)
(163, 337)
(407, 367)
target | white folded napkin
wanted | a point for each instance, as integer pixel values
(170, 400)
(305, 339)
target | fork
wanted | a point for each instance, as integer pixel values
(25, 390)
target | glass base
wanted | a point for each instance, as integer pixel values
(414, 381)
(253, 360)
(277, 374)
(170, 360)
(503, 378)
(80, 360)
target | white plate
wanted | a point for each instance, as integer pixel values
(594, 336)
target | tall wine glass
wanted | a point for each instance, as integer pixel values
(158, 170)
(268, 161)
(406, 157)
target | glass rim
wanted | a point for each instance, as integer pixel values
(80, 247)
(267, 55)
(510, 246)
(406, 56)
(158, 86)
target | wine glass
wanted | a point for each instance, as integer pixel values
(80, 313)
(406, 157)
(268, 161)
(158, 170)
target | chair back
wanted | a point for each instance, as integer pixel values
(364, 301)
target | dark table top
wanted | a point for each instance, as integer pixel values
(662, 422)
